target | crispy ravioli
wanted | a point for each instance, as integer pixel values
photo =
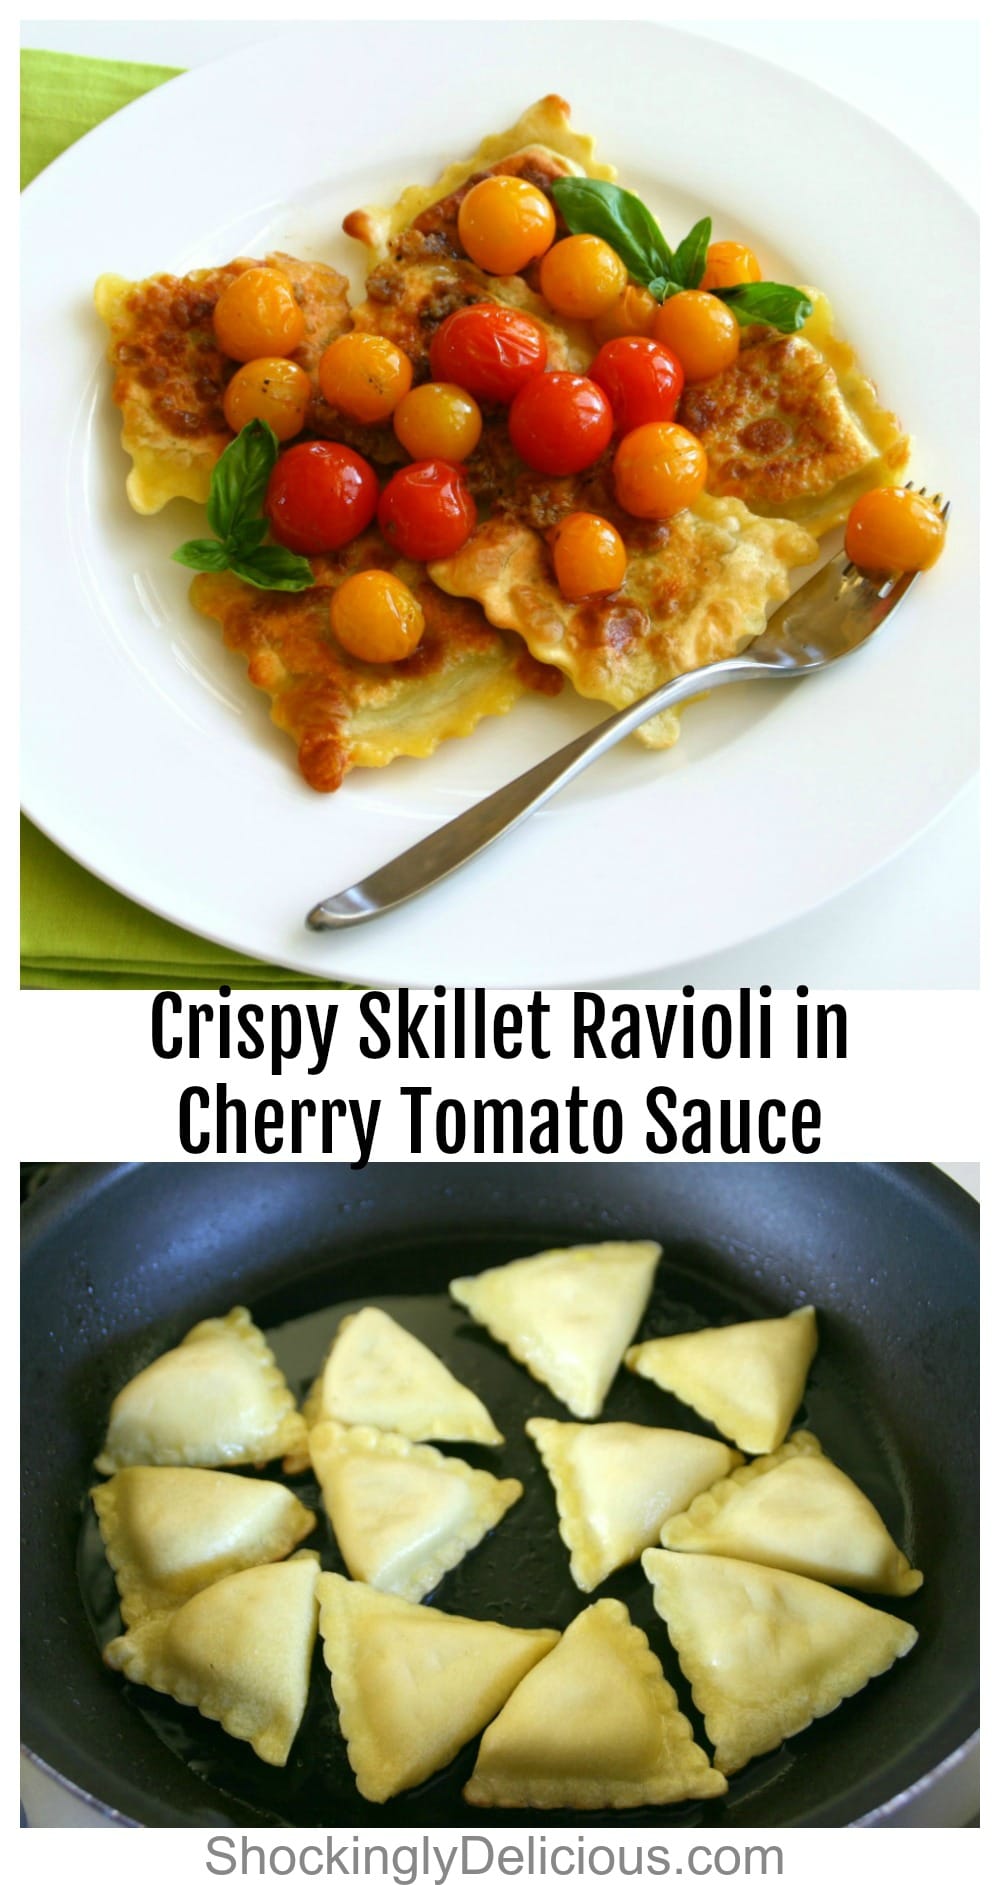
(170, 375)
(793, 427)
(696, 590)
(343, 713)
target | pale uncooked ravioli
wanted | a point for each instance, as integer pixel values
(169, 1531)
(696, 590)
(403, 1514)
(595, 1725)
(567, 1315)
(240, 1652)
(747, 1379)
(796, 1510)
(379, 1375)
(411, 1684)
(766, 1652)
(616, 1482)
(218, 1399)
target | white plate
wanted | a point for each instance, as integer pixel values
(147, 756)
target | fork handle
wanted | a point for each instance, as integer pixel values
(464, 837)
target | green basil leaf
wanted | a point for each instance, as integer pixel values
(592, 208)
(690, 255)
(202, 553)
(247, 536)
(769, 302)
(272, 567)
(240, 477)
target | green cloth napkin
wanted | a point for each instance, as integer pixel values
(75, 931)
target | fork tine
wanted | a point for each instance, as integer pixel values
(945, 509)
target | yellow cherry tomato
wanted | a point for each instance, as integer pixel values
(582, 276)
(700, 330)
(893, 531)
(438, 420)
(659, 469)
(589, 556)
(376, 617)
(633, 313)
(729, 265)
(505, 223)
(274, 390)
(258, 315)
(365, 376)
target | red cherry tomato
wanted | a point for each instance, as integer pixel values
(319, 497)
(560, 423)
(642, 379)
(491, 351)
(427, 510)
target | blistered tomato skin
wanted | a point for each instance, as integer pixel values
(643, 380)
(589, 556)
(582, 276)
(891, 531)
(438, 420)
(659, 470)
(504, 224)
(273, 390)
(729, 265)
(319, 497)
(427, 511)
(700, 330)
(376, 617)
(560, 423)
(258, 315)
(365, 376)
(490, 351)
(633, 313)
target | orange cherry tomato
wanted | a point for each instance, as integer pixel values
(320, 496)
(642, 379)
(258, 315)
(700, 330)
(582, 276)
(894, 531)
(560, 423)
(427, 510)
(729, 265)
(365, 376)
(376, 617)
(659, 470)
(437, 420)
(489, 350)
(275, 390)
(505, 223)
(589, 556)
(632, 313)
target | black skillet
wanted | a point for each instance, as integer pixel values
(119, 1261)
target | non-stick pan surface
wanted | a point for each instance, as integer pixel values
(120, 1261)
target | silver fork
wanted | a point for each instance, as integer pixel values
(831, 615)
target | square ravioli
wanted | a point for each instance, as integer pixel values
(595, 1725)
(217, 1399)
(403, 1515)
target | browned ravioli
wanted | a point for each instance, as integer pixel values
(342, 712)
(170, 375)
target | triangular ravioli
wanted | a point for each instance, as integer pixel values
(766, 1652)
(379, 1375)
(413, 1685)
(218, 1399)
(568, 1315)
(239, 1652)
(615, 1483)
(171, 1530)
(796, 1510)
(747, 1378)
(595, 1725)
(403, 1514)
